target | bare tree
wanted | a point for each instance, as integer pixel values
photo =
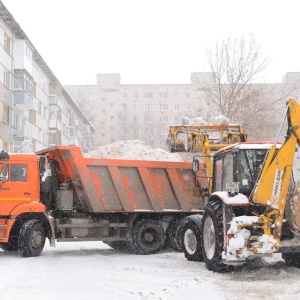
(235, 64)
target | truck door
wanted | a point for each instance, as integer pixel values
(17, 185)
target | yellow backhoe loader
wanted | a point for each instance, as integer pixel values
(251, 210)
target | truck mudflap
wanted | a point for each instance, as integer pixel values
(52, 229)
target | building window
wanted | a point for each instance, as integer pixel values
(135, 119)
(15, 120)
(124, 95)
(149, 95)
(6, 114)
(187, 107)
(149, 119)
(149, 143)
(135, 131)
(111, 117)
(124, 107)
(135, 95)
(164, 131)
(187, 95)
(135, 107)
(149, 131)
(163, 119)
(7, 42)
(7, 79)
(163, 95)
(124, 131)
(32, 116)
(148, 107)
(164, 107)
(176, 106)
(124, 119)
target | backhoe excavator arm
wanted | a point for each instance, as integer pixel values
(272, 187)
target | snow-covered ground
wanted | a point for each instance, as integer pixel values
(92, 270)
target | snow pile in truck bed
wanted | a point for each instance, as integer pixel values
(217, 120)
(135, 150)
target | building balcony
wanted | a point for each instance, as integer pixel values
(55, 102)
(18, 135)
(22, 100)
(55, 124)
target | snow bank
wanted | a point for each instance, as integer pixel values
(135, 150)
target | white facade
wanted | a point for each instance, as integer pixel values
(35, 110)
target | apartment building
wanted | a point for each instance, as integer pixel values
(36, 112)
(137, 111)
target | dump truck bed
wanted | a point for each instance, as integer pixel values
(119, 185)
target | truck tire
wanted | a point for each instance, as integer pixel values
(11, 245)
(212, 236)
(191, 241)
(147, 237)
(173, 235)
(119, 245)
(292, 259)
(32, 238)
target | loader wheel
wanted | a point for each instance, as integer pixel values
(191, 241)
(31, 238)
(292, 259)
(147, 237)
(212, 236)
(173, 235)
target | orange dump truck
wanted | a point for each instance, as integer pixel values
(60, 195)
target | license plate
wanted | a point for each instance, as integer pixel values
(232, 187)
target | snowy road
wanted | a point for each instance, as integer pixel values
(94, 271)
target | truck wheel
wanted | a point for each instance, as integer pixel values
(212, 236)
(118, 245)
(292, 259)
(31, 238)
(11, 245)
(147, 237)
(173, 235)
(191, 241)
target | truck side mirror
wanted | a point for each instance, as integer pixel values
(195, 165)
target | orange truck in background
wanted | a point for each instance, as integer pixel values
(60, 195)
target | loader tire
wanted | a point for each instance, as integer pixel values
(173, 235)
(292, 259)
(212, 237)
(147, 237)
(191, 241)
(32, 238)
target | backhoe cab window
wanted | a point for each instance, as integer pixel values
(249, 165)
(223, 172)
(18, 172)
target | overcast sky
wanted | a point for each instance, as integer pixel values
(157, 41)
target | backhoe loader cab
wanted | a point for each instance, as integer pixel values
(237, 167)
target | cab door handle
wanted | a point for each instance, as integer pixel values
(27, 193)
